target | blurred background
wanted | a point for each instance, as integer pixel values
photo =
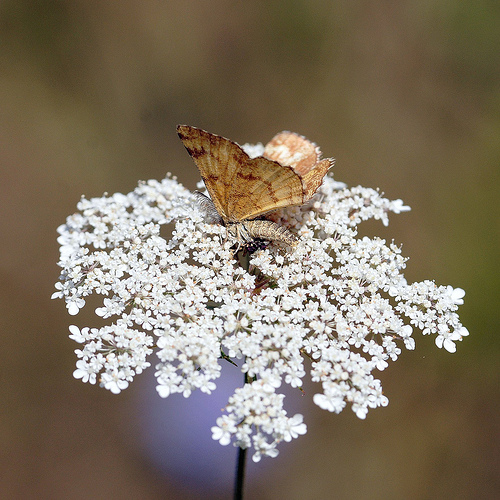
(405, 95)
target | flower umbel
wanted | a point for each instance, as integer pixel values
(336, 298)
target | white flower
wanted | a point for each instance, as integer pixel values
(296, 427)
(223, 431)
(168, 282)
(85, 372)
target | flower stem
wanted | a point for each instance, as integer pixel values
(240, 474)
(240, 467)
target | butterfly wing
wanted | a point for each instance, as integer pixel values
(303, 156)
(263, 185)
(216, 159)
(240, 187)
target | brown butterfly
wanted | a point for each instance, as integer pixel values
(243, 189)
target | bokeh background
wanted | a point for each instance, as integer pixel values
(405, 95)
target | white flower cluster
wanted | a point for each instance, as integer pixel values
(255, 412)
(337, 299)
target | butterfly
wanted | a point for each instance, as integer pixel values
(243, 189)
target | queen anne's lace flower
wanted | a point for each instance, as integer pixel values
(337, 299)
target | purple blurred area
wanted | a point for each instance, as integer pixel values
(174, 435)
(405, 95)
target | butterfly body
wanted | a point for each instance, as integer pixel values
(243, 189)
(247, 231)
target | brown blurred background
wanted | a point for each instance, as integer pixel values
(405, 95)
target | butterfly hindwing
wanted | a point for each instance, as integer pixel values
(303, 156)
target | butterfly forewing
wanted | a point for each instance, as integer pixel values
(241, 188)
(263, 185)
(313, 179)
(217, 162)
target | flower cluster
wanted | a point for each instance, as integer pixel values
(338, 299)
